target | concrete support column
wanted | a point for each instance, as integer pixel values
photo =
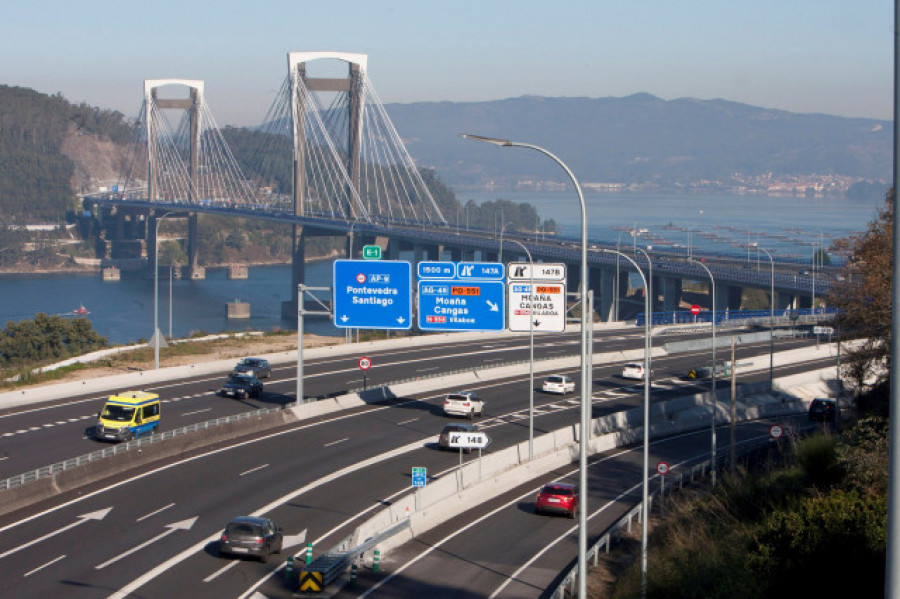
(783, 301)
(670, 289)
(353, 246)
(456, 254)
(298, 271)
(393, 250)
(195, 271)
(488, 256)
(604, 280)
(467, 255)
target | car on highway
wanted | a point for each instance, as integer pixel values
(250, 535)
(258, 367)
(633, 370)
(557, 498)
(455, 427)
(723, 370)
(241, 386)
(463, 403)
(824, 410)
(558, 383)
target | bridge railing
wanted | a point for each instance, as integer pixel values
(100, 454)
(801, 316)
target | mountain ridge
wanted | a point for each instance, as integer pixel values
(642, 140)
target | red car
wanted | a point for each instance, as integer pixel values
(559, 498)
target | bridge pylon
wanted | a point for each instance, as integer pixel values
(158, 184)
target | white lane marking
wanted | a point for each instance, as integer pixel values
(222, 570)
(427, 369)
(152, 573)
(197, 412)
(252, 470)
(170, 528)
(46, 565)
(407, 421)
(165, 507)
(6, 457)
(336, 442)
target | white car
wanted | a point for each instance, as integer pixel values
(633, 370)
(463, 403)
(558, 383)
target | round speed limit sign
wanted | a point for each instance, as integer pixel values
(775, 431)
(662, 468)
(365, 363)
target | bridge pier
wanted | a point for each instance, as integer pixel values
(195, 271)
(290, 307)
(670, 288)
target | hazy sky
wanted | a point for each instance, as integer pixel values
(827, 56)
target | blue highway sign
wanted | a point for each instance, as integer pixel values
(436, 270)
(492, 271)
(371, 294)
(461, 305)
(419, 476)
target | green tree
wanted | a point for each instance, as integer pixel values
(45, 338)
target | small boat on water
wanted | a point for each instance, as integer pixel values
(80, 311)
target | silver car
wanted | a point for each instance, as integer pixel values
(258, 367)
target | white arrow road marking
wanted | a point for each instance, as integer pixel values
(183, 525)
(294, 540)
(98, 515)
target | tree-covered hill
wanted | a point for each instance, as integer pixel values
(36, 175)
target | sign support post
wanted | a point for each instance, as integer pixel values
(301, 311)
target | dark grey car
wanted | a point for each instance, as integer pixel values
(241, 386)
(249, 535)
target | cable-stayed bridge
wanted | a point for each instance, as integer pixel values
(328, 161)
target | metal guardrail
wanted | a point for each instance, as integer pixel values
(335, 562)
(100, 454)
(567, 586)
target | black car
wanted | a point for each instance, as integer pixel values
(241, 386)
(258, 367)
(249, 535)
(444, 438)
(824, 410)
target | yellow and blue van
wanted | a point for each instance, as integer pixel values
(128, 415)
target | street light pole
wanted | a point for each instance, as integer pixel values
(530, 348)
(712, 387)
(648, 289)
(648, 367)
(156, 291)
(585, 382)
(771, 319)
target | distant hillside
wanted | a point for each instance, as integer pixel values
(641, 139)
(48, 148)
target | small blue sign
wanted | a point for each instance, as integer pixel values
(436, 270)
(462, 305)
(371, 294)
(492, 271)
(419, 476)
